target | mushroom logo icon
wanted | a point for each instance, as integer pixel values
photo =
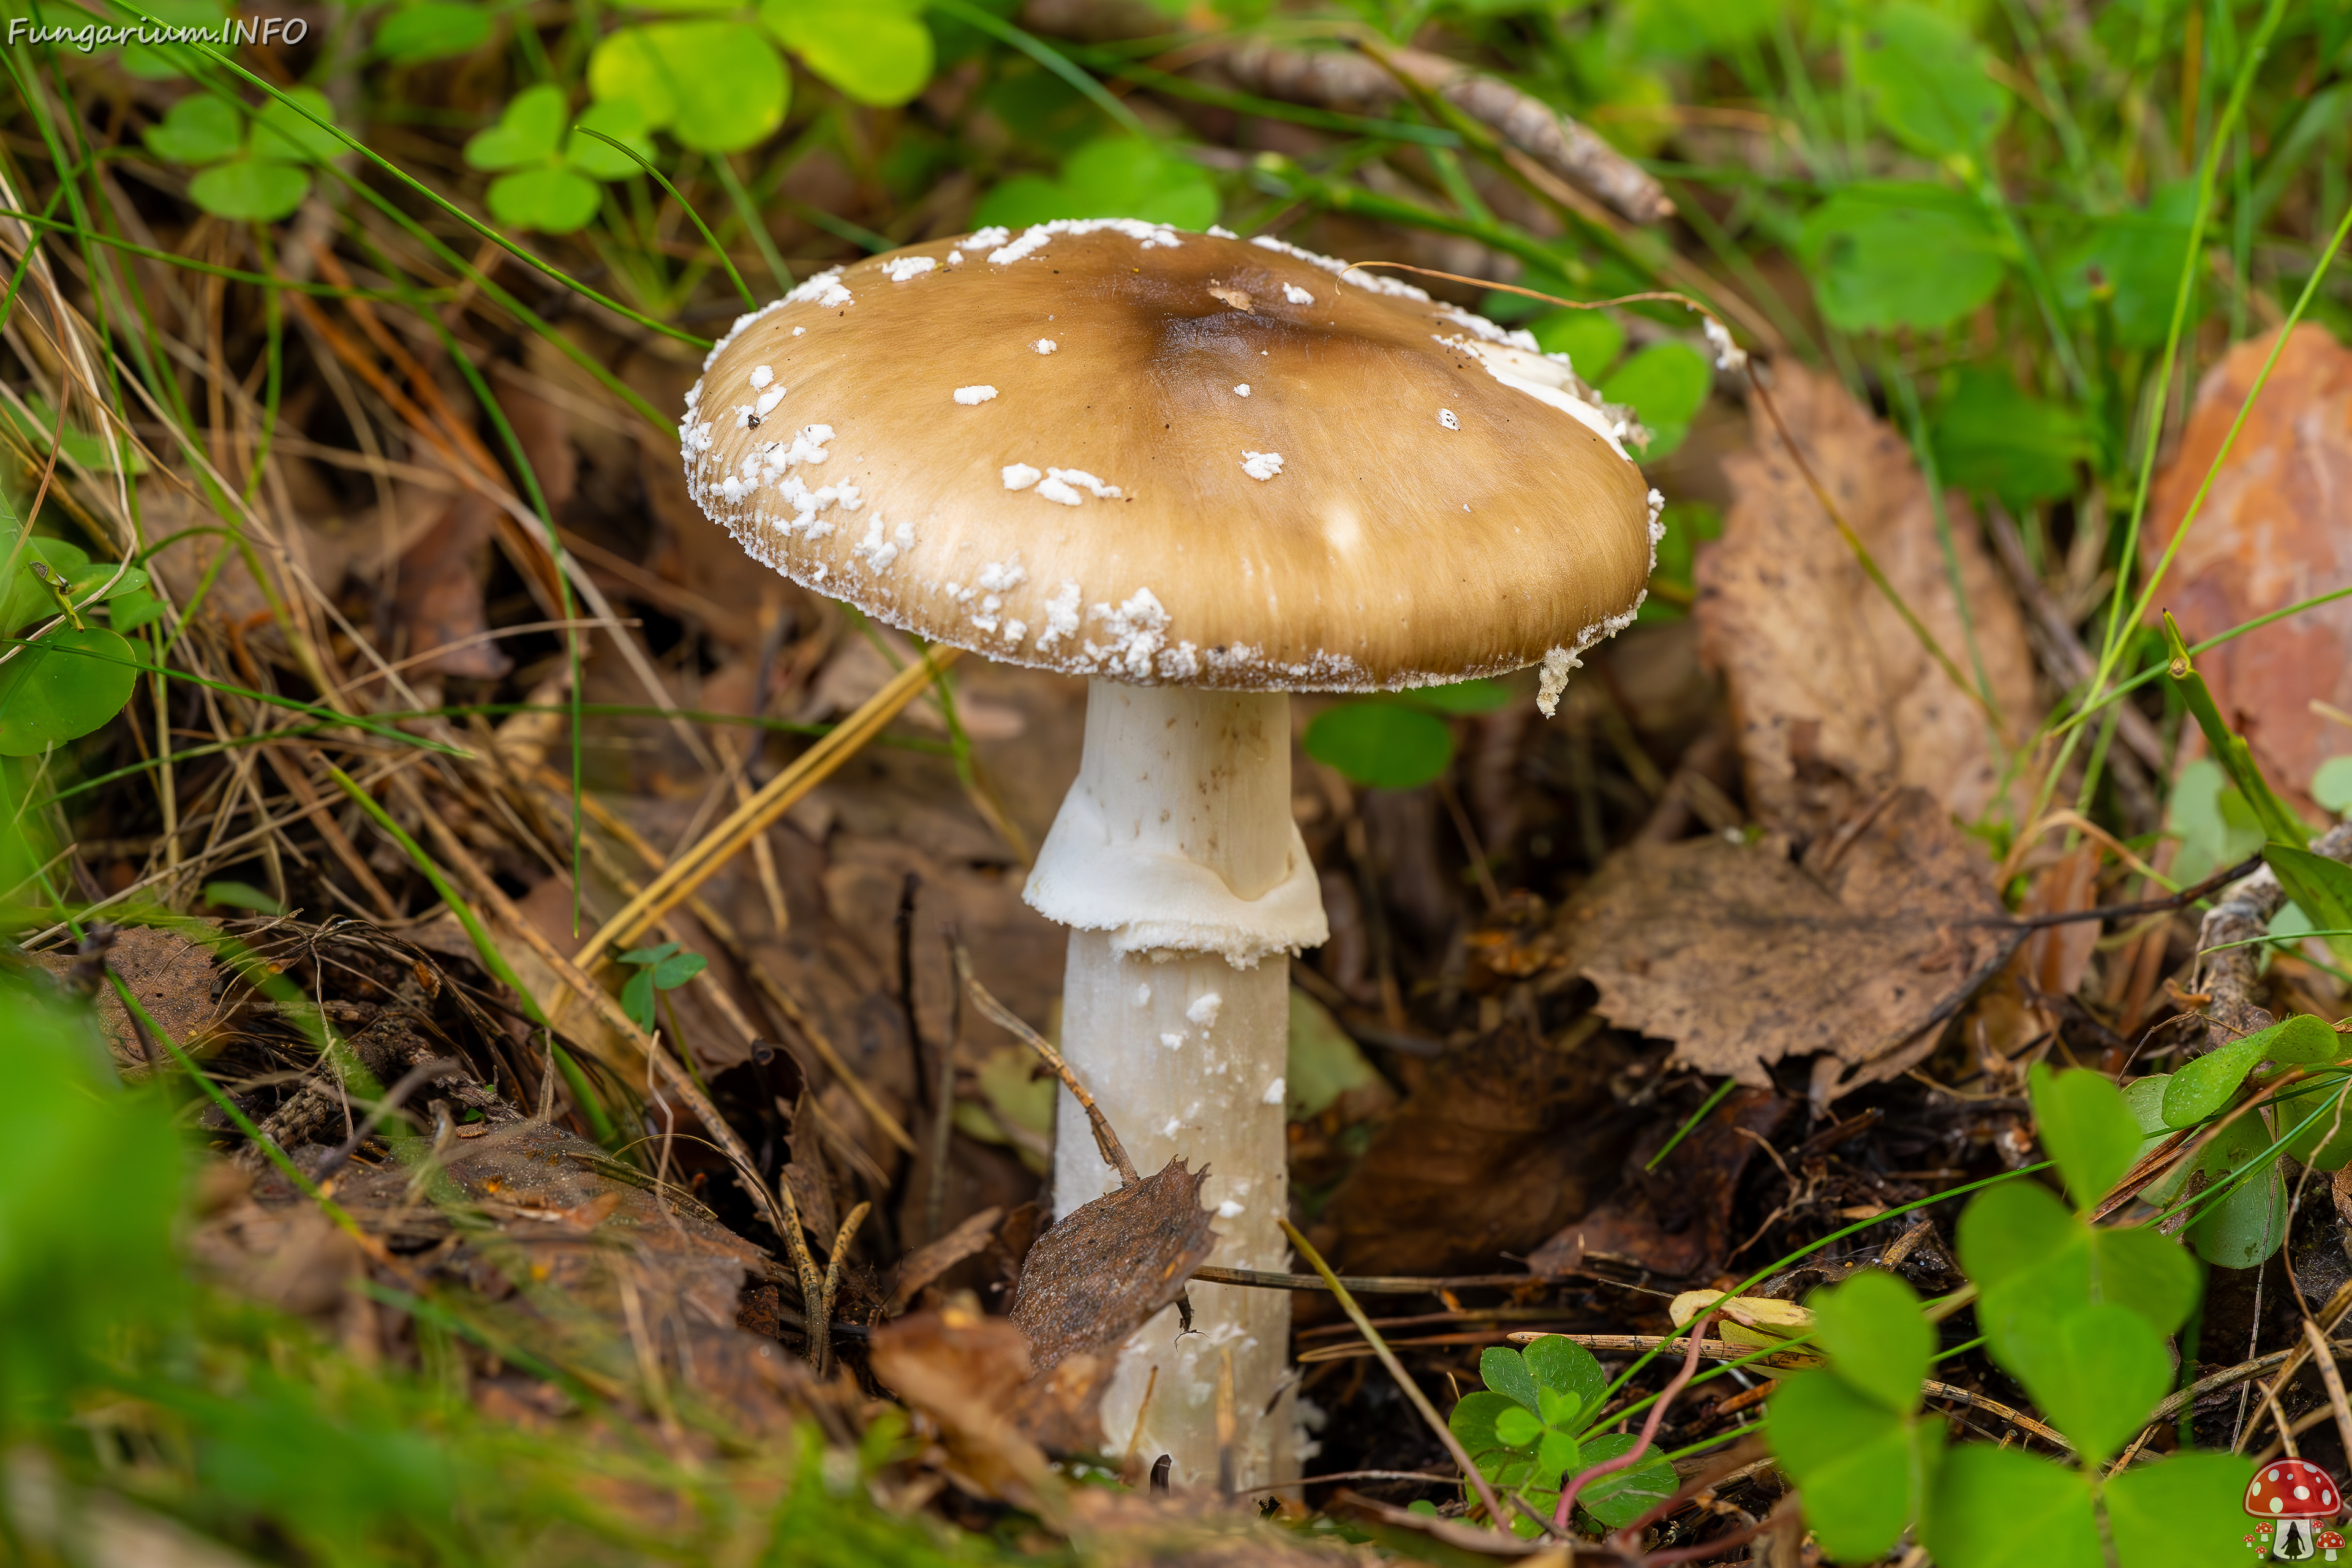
(2300, 1498)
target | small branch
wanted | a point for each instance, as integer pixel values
(1352, 83)
(1374, 1284)
(1470, 1471)
(1352, 1475)
(2180, 899)
(1114, 1152)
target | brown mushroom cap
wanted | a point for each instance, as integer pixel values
(1115, 449)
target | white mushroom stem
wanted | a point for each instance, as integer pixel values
(1177, 863)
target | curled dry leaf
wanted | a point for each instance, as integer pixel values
(2276, 527)
(964, 1371)
(1834, 697)
(1108, 1266)
(1745, 957)
(439, 600)
(928, 1262)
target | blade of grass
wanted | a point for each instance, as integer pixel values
(324, 715)
(591, 1105)
(1690, 1126)
(775, 263)
(748, 210)
(233, 274)
(1470, 1471)
(522, 464)
(1052, 60)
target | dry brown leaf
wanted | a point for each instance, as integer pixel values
(1487, 1157)
(1108, 1266)
(965, 1370)
(173, 978)
(1744, 958)
(1674, 1221)
(2276, 527)
(439, 600)
(928, 1262)
(1835, 698)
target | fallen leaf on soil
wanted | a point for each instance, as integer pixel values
(550, 1237)
(1108, 1266)
(1834, 697)
(438, 601)
(930, 1261)
(1487, 1157)
(1744, 958)
(2276, 527)
(173, 978)
(965, 1369)
(1672, 1221)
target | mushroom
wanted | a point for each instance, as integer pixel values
(2293, 1492)
(1408, 495)
(2331, 1542)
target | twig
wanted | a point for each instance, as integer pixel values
(1349, 82)
(2180, 899)
(1114, 1152)
(935, 1193)
(2289, 1361)
(1353, 1476)
(1374, 1284)
(1470, 1471)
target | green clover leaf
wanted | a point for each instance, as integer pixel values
(529, 131)
(251, 190)
(1927, 80)
(1888, 254)
(716, 86)
(553, 201)
(1518, 1427)
(63, 687)
(624, 121)
(432, 30)
(1666, 384)
(662, 968)
(1384, 744)
(283, 134)
(162, 62)
(876, 52)
(199, 129)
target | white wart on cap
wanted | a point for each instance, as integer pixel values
(1406, 494)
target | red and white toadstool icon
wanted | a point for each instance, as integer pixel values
(2331, 1542)
(2298, 1496)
